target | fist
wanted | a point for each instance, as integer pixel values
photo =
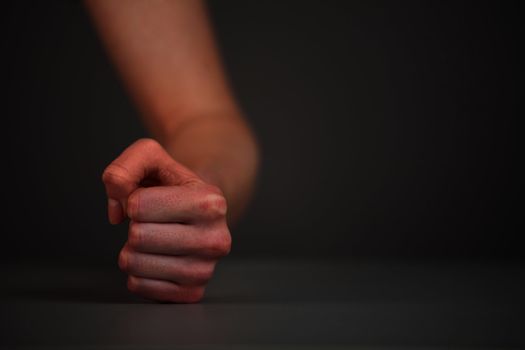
(177, 230)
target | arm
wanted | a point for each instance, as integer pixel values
(165, 53)
(176, 193)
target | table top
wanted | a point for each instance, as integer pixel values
(272, 303)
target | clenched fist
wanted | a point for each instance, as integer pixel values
(177, 229)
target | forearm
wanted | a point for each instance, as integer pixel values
(167, 58)
(221, 149)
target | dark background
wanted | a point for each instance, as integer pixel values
(388, 129)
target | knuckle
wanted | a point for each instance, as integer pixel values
(148, 143)
(195, 295)
(123, 260)
(135, 235)
(202, 274)
(133, 284)
(212, 206)
(133, 209)
(214, 189)
(188, 295)
(129, 261)
(115, 175)
(219, 243)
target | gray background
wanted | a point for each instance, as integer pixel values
(387, 129)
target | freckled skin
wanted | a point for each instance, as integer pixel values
(182, 190)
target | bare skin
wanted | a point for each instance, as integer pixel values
(181, 190)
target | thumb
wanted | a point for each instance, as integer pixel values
(143, 160)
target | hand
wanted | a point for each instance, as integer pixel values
(177, 229)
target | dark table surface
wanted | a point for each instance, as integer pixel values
(272, 303)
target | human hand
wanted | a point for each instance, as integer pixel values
(177, 229)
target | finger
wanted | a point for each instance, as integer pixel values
(115, 211)
(176, 204)
(143, 160)
(178, 239)
(164, 290)
(181, 270)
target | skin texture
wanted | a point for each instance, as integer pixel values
(177, 229)
(182, 188)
